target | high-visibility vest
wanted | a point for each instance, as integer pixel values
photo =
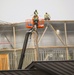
(47, 16)
(35, 13)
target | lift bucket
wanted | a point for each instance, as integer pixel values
(29, 23)
(41, 23)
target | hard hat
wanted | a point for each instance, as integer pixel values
(46, 12)
(35, 10)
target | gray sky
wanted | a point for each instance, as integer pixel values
(20, 10)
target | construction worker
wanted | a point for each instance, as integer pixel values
(35, 13)
(46, 16)
(35, 18)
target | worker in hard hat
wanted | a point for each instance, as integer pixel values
(35, 13)
(46, 16)
(35, 18)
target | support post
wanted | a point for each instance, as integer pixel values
(35, 40)
(67, 53)
(14, 53)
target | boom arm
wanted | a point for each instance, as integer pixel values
(24, 49)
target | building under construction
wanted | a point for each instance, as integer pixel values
(50, 51)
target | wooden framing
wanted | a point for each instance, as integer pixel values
(57, 35)
(42, 34)
(35, 46)
(67, 54)
(65, 45)
(15, 54)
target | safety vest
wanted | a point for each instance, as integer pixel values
(47, 16)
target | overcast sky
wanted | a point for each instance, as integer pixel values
(20, 10)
